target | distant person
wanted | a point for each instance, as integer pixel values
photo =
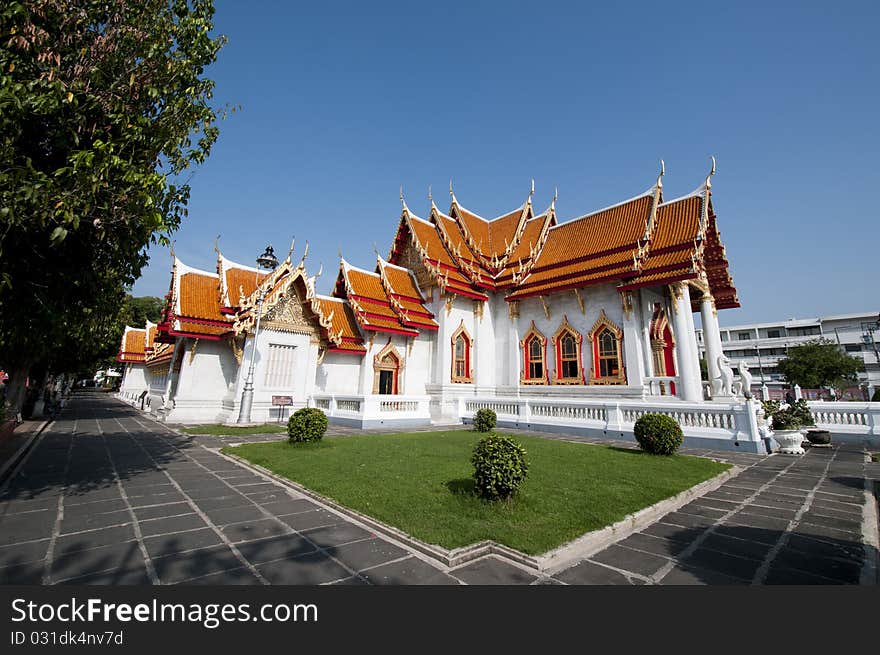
(789, 397)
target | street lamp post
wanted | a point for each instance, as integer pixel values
(267, 261)
(760, 364)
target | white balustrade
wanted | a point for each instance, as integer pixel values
(373, 407)
(848, 418)
(707, 420)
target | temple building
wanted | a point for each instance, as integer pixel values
(580, 325)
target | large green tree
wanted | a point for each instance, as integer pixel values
(104, 106)
(819, 363)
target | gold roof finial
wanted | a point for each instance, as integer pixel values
(711, 173)
(217, 244)
(555, 196)
(662, 173)
(451, 192)
(292, 244)
(532, 190)
(173, 256)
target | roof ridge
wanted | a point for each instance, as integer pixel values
(696, 193)
(228, 263)
(359, 269)
(192, 269)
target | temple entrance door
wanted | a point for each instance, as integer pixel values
(386, 382)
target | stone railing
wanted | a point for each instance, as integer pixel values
(660, 385)
(847, 418)
(398, 405)
(730, 425)
(348, 405)
(372, 410)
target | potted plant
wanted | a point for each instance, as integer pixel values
(787, 422)
(814, 436)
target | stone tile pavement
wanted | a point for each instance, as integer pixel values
(108, 496)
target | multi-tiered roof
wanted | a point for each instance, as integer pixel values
(643, 241)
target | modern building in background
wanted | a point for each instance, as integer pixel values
(762, 345)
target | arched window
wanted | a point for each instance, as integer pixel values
(461, 356)
(606, 339)
(662, 347)
(567, 344)
(534, 369)
(386, 371)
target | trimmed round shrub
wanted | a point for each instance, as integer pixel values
(658, 434)
(500, 467)
(306, 425)
(485, 420)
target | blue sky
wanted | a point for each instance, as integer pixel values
(341, 103)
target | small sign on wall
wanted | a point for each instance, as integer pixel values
(281, 402)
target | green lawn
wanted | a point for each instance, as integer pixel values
(421, 483)
(233, 430)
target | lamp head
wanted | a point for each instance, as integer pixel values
(268, 260)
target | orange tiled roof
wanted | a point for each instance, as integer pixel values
(150, 336)
(674, 249)
(240, 280)
(593, 248)
(343, 332)
(132, 346)
(405, 296)
(198, 297)
(372, 306)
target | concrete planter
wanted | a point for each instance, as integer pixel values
(789, 441)
(819, 437)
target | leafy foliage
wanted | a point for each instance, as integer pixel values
(307, 425)
(786, 418)
(819, 363)
(801, 409)
(658, 434)
(790, 416)
(876, 397)
(500, 467)
(105, 107)
(485, 420)
(770, 407)
(139, 310)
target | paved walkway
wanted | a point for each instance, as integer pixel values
(107, 496)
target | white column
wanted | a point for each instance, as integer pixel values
(443, 351)
(711, 335)
(632, 344)
(685, 345)
(514, 356)
(692, 340)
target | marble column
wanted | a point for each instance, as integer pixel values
(685, 344)
(711, 335)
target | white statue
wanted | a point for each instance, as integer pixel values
(723, 384)
(746, 378)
